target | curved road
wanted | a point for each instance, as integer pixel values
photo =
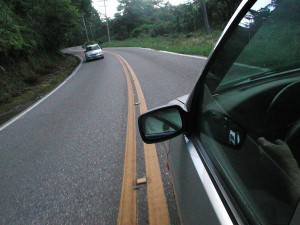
(62, 161)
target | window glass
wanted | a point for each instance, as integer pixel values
(250, 120)
(91, 48)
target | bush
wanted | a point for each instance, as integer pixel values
(31, 79)
(102, 40)
(145, 29)
(4, 98)
(163, 28)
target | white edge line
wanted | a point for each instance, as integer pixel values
(211, 191)
(41, 100)
(174, 53)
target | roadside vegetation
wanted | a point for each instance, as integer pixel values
(23, 94)
(162, 26)
(31, 36)
(194, 44)
(33, 32)
(153, 18)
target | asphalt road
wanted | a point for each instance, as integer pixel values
(62, 161)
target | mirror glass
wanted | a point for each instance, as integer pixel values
(161, 123)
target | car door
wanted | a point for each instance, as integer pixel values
(238, 160)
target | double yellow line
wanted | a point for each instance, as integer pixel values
(157, 205)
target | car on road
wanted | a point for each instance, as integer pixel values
(233, 143)
(93, 52)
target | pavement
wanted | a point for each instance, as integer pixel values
(61, 162)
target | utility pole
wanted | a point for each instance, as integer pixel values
(206, 24)
(87, 37)
(107, 27)
(106, 22)
(91, 32)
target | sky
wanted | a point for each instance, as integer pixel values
(111, 6)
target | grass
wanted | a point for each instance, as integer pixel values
(194, 44)
(272, 49)
(48, 79)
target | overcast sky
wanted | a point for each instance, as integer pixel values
(111, 6)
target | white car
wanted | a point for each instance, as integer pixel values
(93, 52)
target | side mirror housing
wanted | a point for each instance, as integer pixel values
(162, 123)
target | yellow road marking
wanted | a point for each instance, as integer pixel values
(157, 204)
(127, 211)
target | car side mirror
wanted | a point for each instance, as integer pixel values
(162, 123)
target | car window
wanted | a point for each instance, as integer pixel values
(249, 120)
(252, 46)
(91, 48)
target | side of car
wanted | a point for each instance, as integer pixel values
(234, 154)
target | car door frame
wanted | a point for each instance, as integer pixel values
(212, 188)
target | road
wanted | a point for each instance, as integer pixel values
(62, 161)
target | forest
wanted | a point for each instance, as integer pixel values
(30, 26)
(31, 34)
(154, 18)
(33, 31)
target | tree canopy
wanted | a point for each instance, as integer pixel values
(28, 26)
(32, 26)
(153, 18)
